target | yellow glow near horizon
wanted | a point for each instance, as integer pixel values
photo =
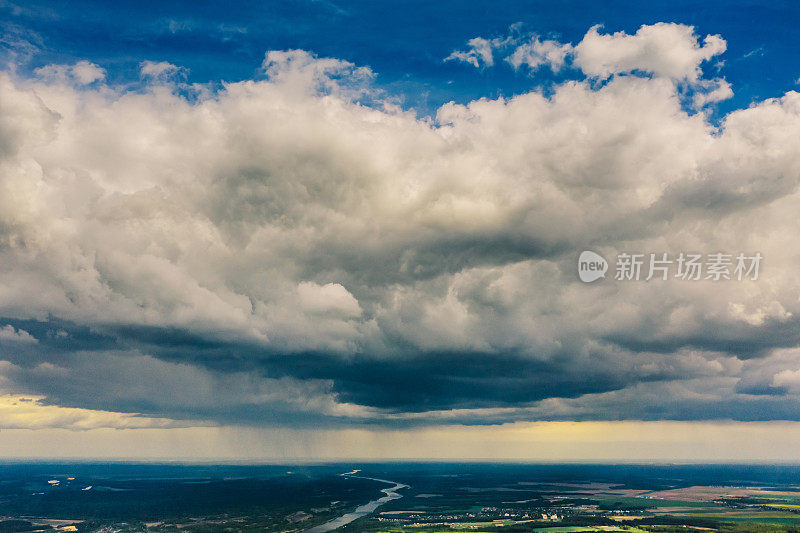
(30, 413)
(623, 441)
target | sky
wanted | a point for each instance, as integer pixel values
(325, 231)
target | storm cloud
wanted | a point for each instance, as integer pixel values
(298, 249)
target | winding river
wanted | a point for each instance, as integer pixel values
(362, 510)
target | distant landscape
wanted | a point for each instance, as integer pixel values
(439, 497)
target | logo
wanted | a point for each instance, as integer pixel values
(591, 266)
(718, 266)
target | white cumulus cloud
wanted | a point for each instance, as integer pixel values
(663, 49)
(356, 259)
(479, 52)
(81, 73)
(10, 333)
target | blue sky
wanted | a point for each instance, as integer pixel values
(403, 42)
(337, 223)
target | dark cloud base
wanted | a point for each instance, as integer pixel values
(395, 386)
